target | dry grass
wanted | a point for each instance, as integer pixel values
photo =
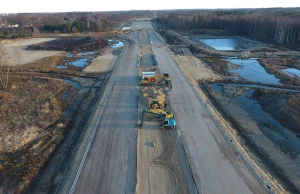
(28, 108)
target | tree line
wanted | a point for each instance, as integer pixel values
(281, 27)
(65, 22)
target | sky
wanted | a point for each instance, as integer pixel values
(25, 6)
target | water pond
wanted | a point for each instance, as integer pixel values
(226, 44)
(251, 69)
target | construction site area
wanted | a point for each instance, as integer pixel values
(149, 111)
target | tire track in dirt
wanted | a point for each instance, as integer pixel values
(166, 161)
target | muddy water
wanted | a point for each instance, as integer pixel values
(83, 59)
(115, 43)
(75, 84)
(271, 128)
(252, 70)
(223, 43)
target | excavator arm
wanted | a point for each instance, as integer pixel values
(143, 116)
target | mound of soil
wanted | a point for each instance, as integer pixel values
(71, 44)
(284, 107)
(152, 93)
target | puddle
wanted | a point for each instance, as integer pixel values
(79, 63)
(69, 55)
(126, 28)
(61, 67)
(107, 76)
(268, 125)
(87, 53)
(118, 45)
(253, 71)
(292, 71)
(223, 43)
(115, 43)
(75, 84)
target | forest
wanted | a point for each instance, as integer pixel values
(280, 26)
(34, 23)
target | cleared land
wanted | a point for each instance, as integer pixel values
(103, 63)
(195, 68)
(17, 47)
(137, 25)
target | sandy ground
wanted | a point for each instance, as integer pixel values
(152, 179)
(195, 68)
(216, 167)
(110, 166)
(141, 25)
(18, 46)
(161, 162)
(103, 63)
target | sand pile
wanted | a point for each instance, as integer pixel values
(152, 93)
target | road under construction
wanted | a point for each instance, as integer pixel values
(120, 157)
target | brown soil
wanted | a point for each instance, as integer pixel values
(284, 107)
(28, 109)
(275, 65)
(171, 39)
(71, 44)
(217, 64)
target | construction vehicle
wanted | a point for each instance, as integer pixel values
(168, 121)
(151, 79)
(156, 104)
(161, 113)
(168, 84)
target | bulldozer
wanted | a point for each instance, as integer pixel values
(156, 104)
(168, 121)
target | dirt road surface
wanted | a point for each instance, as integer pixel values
(216, 167)
(137, 25)
(161, 163)
(110, 166)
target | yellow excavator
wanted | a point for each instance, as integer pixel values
(156, 104)
(167, 118)
(162, 113)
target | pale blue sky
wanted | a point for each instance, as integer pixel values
(17, 6)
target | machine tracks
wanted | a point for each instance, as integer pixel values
(166, 161)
